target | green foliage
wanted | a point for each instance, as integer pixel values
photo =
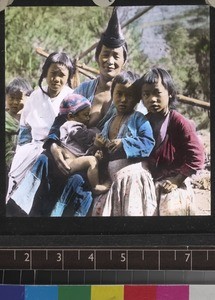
(188, 61)
(138, 62)
(188, 57)
(75, 29)
(202, 51)
(181, 61)
(52, 29)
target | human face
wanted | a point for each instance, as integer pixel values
(57, 77)
(124, 98)
(14, 101)
(110, 62)
(155, 97)
(83, 116)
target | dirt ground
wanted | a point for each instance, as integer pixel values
(201, 181)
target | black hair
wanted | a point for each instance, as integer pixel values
(99, 49)
(124, 78)
(19, 84)
(152, 77)
(57, 58)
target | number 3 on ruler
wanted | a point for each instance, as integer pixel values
(59, 257)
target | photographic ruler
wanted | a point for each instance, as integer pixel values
(107, 264)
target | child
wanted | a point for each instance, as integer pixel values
(119, 136)
(77, 139)
(128, 138)
(16, 92)
(178, 152)
(39, 113)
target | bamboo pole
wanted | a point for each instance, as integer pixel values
(80, 68)
(145, 10)
(88, 50)
(41, 52)
(142, 12)
(192, 101)
(86, 71)
(85, 67)
(75, 81)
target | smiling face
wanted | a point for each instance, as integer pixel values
(124, 98)
(110, 62)
(57, 77)
(155, 97)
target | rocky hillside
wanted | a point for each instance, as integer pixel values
(201, 181)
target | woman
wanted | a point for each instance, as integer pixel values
(111, 55)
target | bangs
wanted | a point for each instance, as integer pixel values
(151, 77)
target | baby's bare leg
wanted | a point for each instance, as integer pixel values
(91, 164)
(93, 177)
(69, 157)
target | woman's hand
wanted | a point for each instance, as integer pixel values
(99, 155)
(99, 141)
(172, 183)
(60, 156)
(114, 145)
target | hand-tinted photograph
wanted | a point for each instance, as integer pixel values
(107, 111)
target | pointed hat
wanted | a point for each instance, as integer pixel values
(113, 36)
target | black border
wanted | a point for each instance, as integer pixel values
(123, 228)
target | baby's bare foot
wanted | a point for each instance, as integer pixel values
(101, 189)
(107, 183)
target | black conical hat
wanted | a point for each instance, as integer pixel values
(113, 36)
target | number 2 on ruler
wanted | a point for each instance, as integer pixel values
(27, 256)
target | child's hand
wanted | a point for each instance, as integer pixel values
(114, 145)
(99, 155)
(172, 183)
(168, 186)
(99, 141)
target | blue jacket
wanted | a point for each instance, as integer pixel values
(136, 135)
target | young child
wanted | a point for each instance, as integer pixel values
(128, 139)
(127, 134)
(178, 152)
(78, 139)
(16, 93)
(39, 113)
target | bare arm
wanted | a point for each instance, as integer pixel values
(60, 155)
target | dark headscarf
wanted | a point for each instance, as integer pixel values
(113, 36)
